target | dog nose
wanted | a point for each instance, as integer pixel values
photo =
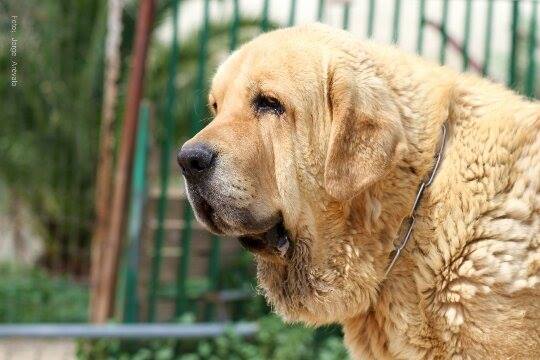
(195, 158)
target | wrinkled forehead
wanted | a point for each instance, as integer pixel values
(270, 66)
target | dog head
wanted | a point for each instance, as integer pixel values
(303, 127)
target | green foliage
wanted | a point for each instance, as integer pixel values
(51, 119)
(48, 137)
(105, 349)
(239, 274)
(274, 340)
(32, 295)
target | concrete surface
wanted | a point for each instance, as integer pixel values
(36, 349)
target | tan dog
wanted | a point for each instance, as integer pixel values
(314, 159)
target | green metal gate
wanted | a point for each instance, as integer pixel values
(432, 18)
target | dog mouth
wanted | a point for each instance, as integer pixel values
(275, 241)
(205, 212)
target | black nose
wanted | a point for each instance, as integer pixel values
(195, 158)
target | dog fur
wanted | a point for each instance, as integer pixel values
(342, 166)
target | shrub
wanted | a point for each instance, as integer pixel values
(274, 340)
(33, 295)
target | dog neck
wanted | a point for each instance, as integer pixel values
(397, 301)
(374, 320)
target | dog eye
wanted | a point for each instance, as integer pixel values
(264, 104)
(214, 106)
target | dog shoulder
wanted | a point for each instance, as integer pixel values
(481, 275)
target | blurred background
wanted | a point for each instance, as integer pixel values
(100, 257)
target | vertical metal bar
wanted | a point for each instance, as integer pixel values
(371, 18)
(320, 10)
(166, 145)
(346, 15)
(213, 272)
(125, 157)
(395, 26)
(531, 68)
(421, 25)
(512, 64)
(72, 185)
(11, 301)
(138, 199)
(103, 175)
(198, 110)
(234, 25)
(487, 38)
(183, 265)
(466, 34)
(444, 32)
(264, 15)
(56, 260)
(292, 13)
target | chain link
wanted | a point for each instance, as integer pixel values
(411, 219)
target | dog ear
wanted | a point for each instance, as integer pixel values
(366, 134)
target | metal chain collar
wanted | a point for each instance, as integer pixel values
(411, 218)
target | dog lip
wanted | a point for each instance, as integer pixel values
(205, 211)
(274, 241)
